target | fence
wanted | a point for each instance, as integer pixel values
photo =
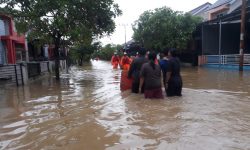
(34, 69)
(12, 73)
(232, 59)
(20, 73)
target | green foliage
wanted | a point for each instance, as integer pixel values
(106, 52)
(164, 28)
(56, 20)
(72, 19)
(83, 52)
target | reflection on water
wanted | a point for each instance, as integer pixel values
(86, 110)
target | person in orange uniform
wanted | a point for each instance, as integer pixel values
(115, 61)
(126, 83)
(125, 62)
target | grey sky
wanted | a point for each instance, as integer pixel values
(133, 8)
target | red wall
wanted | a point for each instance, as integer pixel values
(11, 40)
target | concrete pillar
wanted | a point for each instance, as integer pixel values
(26, 47)
(25, 74)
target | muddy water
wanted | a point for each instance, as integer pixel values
(86, 110)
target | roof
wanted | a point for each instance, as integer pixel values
(219, 3)
(199, 8)
(235, 16)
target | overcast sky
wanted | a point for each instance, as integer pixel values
(132, 9)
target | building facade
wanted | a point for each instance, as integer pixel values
(222, 7)
(219, 38)
(12, 45)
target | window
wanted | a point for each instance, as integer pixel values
(18, 56)
(4, 27)
(3, 54)
(219, 15)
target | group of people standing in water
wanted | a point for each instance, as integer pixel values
(144, 73)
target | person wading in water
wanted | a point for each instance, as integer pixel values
(174, 80)
(164, 63)
(125, 62)
(115, 61)
(151, 77)
(126, 83)
(134, 70)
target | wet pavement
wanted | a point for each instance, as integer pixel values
(86, 110)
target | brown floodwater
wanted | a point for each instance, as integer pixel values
(86, 110)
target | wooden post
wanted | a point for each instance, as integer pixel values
(242, 34)
(17, 84)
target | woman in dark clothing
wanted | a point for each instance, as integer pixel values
(134, 70)
(174, 80)
(151, 77)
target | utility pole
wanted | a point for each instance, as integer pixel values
(125, 30)
(242, 34)
(125, 36)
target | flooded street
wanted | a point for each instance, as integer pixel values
(86, 110)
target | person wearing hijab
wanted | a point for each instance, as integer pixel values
(174, 79)
(151, 77)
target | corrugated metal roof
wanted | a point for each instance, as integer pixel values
(219, 3)
(232, 17)
(197, 9)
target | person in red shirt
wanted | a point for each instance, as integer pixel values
(115, 61)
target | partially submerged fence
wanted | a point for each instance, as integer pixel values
(12, 73)
(20, 73)
(232, 59)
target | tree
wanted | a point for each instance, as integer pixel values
(83, 52)
(107, 51)
(164, 28)
(54, 20)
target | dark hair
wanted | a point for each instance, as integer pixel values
(142, 52)
(173, 52)
(165, 51)
(151, 58)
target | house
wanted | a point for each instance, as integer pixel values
(218, 39)
(14, 61)
(39, 51)
(201, 11)
(222, 7)
(12, 45)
